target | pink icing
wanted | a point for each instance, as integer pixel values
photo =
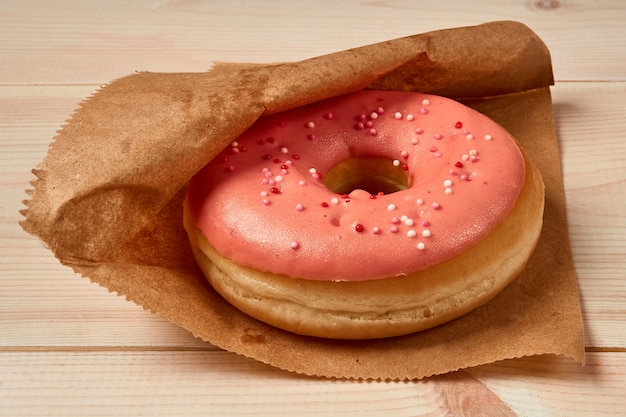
(262, 202)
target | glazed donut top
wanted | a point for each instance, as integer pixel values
(364, 186)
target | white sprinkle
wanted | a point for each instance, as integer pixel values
(278, 178)
(334, 200)
(310, 125)
(469, 136)
(404, 217)
(302, 183)
(391, 207)
(473, 152)
(284, 150)
(465, 157)
(409, 222)
(421, 246)
(263, 193)
(410, 117)
(312, 170)
(398, 115)
(488, 137)
(426, 102)
(415, 141)
(396, 163)
(419, 202)
(426, 233)
(234, 144)
(411, 233)
(448, 190)
(373, 115)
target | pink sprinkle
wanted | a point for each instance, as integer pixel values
(394, 229)
(380, 110)
(311, 137)
(395, 220)
(369, 124)
(373, 132)
(419, 130)
(437, 136)
(302, 183)
(359, 126)
(436, 206)
(404, 154)
(425, 223)
(434, 149)
(299, 207)
(266, 202)
(294, 245)
(376, 230)
(328, 116)
(424, 111)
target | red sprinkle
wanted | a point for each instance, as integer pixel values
(373, 197)
(284, 166)
(324, 204)
(405, 167)
(458, 125)
(275, 190)
(267, 157)
(295, 157)
(459, 164)
(277, 161)
(345, 196)
(359, 227)
(271, 139)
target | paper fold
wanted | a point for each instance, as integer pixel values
(107, 198)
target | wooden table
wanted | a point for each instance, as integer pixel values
(68, 347)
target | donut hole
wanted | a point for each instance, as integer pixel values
(371, 174)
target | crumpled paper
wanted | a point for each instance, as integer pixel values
(107, 199)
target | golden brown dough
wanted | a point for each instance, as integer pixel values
(387, 307)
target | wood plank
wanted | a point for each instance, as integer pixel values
(551, 386)
(43, 303)
(593, 144)
(87, 42)
(111, 383)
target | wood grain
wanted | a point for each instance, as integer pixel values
(68, 347)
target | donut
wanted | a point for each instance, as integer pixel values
(369, 215)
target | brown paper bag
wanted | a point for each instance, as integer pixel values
(107, 199)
